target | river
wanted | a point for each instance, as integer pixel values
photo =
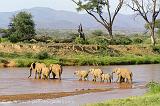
(14, 81)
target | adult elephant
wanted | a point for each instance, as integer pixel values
(124, 75)
(56, 70)
(96, 73)
(37, 68)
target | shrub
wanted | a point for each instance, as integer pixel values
(156, 49)
(42, 55)
(79, 41)
(4, 39)
(97, 32)
(13, 38)
(137, 40)
(0, 40)
(121, 41)
(154, 87)
(43, 38)
(99, 41)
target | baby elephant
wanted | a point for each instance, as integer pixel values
(82, 75)
(45, 73)
(107, 77)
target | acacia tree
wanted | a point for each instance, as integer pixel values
(149, 10)
(100, 10)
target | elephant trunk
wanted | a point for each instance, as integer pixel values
(30, 73)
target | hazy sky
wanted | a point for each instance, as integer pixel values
(13, 5)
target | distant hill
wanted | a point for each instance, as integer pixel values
(47, 18)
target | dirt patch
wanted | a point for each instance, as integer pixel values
(25, 97)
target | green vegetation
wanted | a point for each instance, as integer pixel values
(112, 55)
(21, 27)
(152, 98)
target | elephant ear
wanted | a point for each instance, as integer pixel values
(34, 65)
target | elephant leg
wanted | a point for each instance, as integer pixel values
(53, 74)
(122, 79)
(59, 76)
(86, 78)
(95, 79)
(109, 80)
(101, 79)
(43, 77)
(118, 79)
(80, 78)
(39, 75)
(35, 75)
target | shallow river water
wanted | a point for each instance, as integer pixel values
(14, 81)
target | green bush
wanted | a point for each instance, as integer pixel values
(79, 41)
(13, 38)
(156, 49)
(121, 41)
(41, 38)
(99, 41)
(0, 40)
(154, 87)
(4, 40)
(42, 55)
(137, 40)
(97, 32)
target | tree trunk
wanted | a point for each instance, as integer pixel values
(153, 41)
(110, 31)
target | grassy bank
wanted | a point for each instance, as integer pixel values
(23, 61)
(151, 98)
(68, 54)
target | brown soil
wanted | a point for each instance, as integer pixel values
(25, 97)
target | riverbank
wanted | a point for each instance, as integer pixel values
(152, 98)
(44, 96)
(22, 55)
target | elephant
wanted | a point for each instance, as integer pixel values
(124, 75)
(96, 73)
(45, 73)
(37, 67)
(56, 70)
(107, 77)
(83, 75)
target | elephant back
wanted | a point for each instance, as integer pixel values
(56, 68)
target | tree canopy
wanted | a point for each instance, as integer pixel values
(100, 10)
(22, 27)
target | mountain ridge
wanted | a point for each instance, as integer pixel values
(47, 18)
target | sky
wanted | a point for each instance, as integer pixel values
(68, 5)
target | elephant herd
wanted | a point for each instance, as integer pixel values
(123, 74)
(43, 72)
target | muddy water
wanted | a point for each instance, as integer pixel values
(14, 81)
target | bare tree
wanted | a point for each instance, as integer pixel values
(98, 8)
(149, 10)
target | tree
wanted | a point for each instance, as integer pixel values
(98, 9)
(22, 27)
(149, 10)
(157, 24)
